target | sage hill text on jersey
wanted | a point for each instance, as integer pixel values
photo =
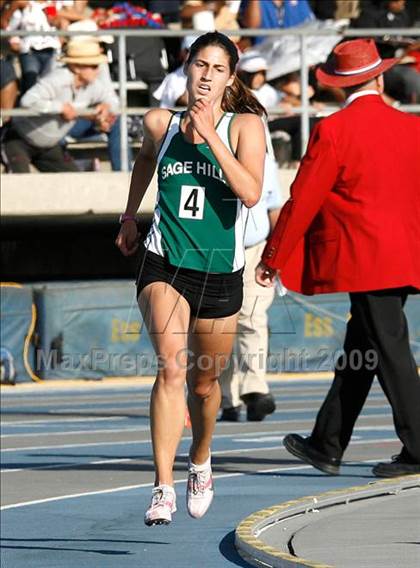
(193, 168)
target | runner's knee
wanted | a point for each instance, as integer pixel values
(202, 389)
(172, 374)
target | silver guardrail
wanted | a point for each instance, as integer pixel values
(302, 32)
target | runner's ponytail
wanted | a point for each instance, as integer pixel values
(239, 98)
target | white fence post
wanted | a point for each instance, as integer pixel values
(122, 76)
(304, 83)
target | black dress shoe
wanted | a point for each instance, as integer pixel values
(231, 414)
(302, 449)
(258, 405)
(400, 465)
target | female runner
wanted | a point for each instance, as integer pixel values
(210, 162)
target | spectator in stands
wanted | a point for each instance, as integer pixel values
(60, 97)
(8, 79)
(289, 87)
(62, 13)
(402, 82)
(172, 91)
(209, 15)
(272, 14)
(169, 10)
(335, 9)
(8, 86)
(36, 53)
(324, 9)
(85, 128)
(252, 68)
(387, 14)
(146, 56)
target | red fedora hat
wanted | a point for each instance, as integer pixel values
(352, 63)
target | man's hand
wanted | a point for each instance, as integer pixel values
(68, 112)
(104, 119)
(105, 125)
(102, 111)
(265, 276)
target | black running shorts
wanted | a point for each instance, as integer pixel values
(209, 295)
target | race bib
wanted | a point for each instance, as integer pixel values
(191, 205)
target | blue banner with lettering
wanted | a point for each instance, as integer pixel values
(91, 330)
(94, 329)
(307, 332)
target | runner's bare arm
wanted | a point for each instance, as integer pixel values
(155, 124)
(244, 171)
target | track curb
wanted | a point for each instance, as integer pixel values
(259, 554)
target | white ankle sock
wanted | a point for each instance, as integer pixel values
(164, 486)
(201, 466)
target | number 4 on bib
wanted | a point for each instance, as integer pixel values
(191, 205)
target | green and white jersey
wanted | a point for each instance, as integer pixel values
(198, 222)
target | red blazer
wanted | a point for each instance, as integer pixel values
(352, 223)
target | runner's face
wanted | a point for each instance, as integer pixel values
(208, 74)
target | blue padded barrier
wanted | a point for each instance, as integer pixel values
(17, 319)
(307, 332)
(94, 329)
(91, 330)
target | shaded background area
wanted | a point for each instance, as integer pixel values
(64, 248)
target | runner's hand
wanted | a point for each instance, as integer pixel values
(202, 118)
(128, 238)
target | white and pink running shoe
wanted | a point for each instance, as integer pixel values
(162, 506)
(200, 490)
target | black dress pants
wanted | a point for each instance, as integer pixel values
(376, 343)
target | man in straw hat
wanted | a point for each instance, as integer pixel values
(352, 224)
(60, 97)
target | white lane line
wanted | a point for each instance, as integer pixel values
(272, 422)
(144, 390)
(242, 450)
(66, 465)
(273, 439)
(83, 464)
(116, 460)
(105, 491)
(47, 421)
(298, 392)
(150, 484)
(78, 410)
(46, 398)
(279, 437)
(88, 399)
(144, 403)
(142, 428)
(214, 453)
(73, 432)
(304, 405)
(81, 445)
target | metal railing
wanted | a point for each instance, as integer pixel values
(302, 32)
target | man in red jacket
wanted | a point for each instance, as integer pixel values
(352, 224)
